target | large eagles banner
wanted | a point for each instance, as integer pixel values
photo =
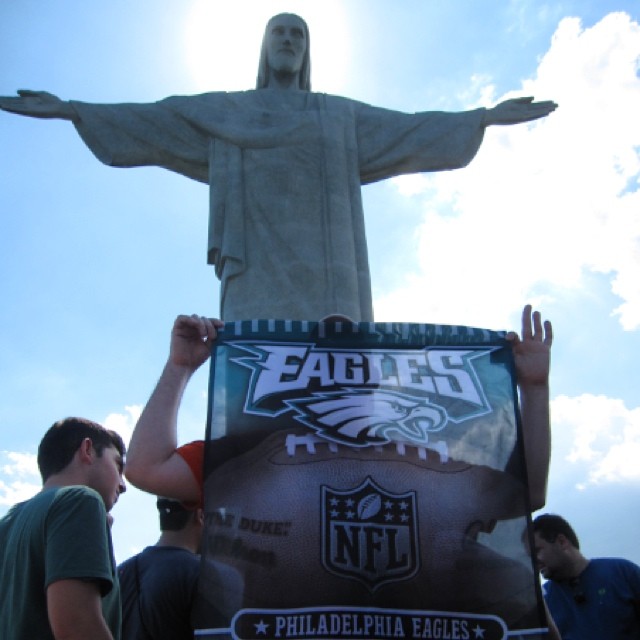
(365, 481)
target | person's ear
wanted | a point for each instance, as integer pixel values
(200, 517)
(86, 452)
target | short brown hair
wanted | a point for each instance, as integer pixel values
(62, 440)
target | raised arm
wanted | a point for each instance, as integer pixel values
(152, 463)
(38, 104)
(532, 356)
(518, 110)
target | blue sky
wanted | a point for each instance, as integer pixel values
(95, 263)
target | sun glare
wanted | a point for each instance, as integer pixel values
(222, 43)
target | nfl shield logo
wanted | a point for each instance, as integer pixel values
(370, 534)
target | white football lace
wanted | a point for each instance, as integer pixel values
(309, 441)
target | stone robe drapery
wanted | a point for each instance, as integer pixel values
(286, 228)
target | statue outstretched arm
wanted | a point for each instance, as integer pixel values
(38, 104)
(518, 110)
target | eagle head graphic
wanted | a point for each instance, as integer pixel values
(362, 417)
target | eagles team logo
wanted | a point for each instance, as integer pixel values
(369, 534)
(364, 397)
(362, 417)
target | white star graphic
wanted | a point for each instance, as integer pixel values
(261, 627)
(479, 631)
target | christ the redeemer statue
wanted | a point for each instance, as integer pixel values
(285, 168)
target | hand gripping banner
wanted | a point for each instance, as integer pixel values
(365, 480)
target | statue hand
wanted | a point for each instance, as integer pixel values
(38, 104)
(519, 110)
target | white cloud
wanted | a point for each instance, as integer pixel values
(19, 477)
(545, 202)
(598, 436)
(20, 464)
(124, 423)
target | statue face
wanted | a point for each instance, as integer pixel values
(286, 44)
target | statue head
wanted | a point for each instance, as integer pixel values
(272, 31)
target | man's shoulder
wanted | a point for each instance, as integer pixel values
(169, 553)
(129, 562)
(609, 565)
(76, 507)
(75, 492)
(76, 497)
(55, 497)
(155, 553)
(158, 567)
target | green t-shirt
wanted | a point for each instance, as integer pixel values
(61, 533)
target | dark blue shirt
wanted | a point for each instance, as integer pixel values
(158, 588)
(601, 604)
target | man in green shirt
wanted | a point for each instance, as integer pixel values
(57, 569)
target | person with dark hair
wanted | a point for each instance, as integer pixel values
(285, 167)
(60, 443)
(159, 584)
(57, 568)
(596, 598)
